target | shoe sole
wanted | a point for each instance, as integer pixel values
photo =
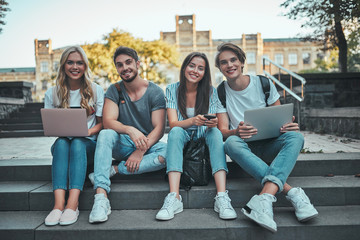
(51, 224)
(308, 218)
(176, 212)
(261, 224)
(68, 223)
(101, 220)
(223, 217)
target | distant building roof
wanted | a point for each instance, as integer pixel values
(282, 39)
(264, 40)
(26, 69)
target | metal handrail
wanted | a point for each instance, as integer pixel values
(277, 81)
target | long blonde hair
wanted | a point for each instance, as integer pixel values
(62, 82)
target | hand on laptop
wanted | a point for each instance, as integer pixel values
(290, 126)
(245, 131)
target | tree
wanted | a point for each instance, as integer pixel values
(330, 19)
(151, 53)
(3, 10)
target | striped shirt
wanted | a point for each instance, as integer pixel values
(215, 105)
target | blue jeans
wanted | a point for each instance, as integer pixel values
(283, 151)
(177, 139)
(70, 157)
(111, 144)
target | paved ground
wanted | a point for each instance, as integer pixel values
(39, 147)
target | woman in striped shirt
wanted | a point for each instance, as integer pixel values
(187, 101)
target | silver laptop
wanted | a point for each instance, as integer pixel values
(64, 122)
(269, 120)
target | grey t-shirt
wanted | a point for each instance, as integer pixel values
(138, 113)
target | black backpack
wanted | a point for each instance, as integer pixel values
(264, 83)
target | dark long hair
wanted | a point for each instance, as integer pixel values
(203, 88)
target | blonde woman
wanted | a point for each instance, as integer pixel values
(73, 89)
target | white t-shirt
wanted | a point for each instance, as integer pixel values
(252, 97)
(75, 99)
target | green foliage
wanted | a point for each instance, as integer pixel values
(3, 10)
(323, 66)
(152, 54)
(331, 21)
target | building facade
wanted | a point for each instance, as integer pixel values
(291, 53)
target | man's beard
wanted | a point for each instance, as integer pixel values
(129, 80)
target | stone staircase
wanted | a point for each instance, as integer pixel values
(26, 198)
(24, 123)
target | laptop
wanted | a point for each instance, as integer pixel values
(64, 122)
(268, 120)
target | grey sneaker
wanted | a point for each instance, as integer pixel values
(112, 173)
(171, 206)
(223, 206)
(260, 210)
(100, 210)
(304, 210)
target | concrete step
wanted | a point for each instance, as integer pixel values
(21, 126)
(34, 119)
(139, 194)
(25, 114)
(317, 164)
(333, 223)
(22, 133)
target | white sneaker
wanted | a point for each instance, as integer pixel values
(112, 173)
(304, 210)
(260, 210)
(223, 206)
(171, 206)
(101, 209)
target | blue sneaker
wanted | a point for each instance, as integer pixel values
(100, 210)
(260, 210)
(304, 210)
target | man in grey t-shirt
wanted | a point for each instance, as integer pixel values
(134, 121)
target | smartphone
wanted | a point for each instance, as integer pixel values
(209, 117)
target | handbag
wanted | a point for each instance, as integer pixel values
(196, 164)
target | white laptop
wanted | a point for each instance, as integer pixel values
(64, 122)
(268, 120)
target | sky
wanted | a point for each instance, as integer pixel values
(72, 22)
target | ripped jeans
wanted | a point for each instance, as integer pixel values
(111, 144)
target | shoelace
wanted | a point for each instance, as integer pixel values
(224, 201)
(169, 201)
(99, 204)
(301, 201)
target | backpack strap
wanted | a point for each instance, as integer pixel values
(121, 96)
(221, 93)
(266, 87)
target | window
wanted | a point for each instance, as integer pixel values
(266, 62)
(44, 67)
(56, 66)
(251, 58)
(279, 59)
(306, 58)
(292, 59)
(44, 85)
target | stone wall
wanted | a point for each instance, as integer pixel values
(13, 95)
(331, 104)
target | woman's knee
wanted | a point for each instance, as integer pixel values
(214, 133)
(176, 132)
